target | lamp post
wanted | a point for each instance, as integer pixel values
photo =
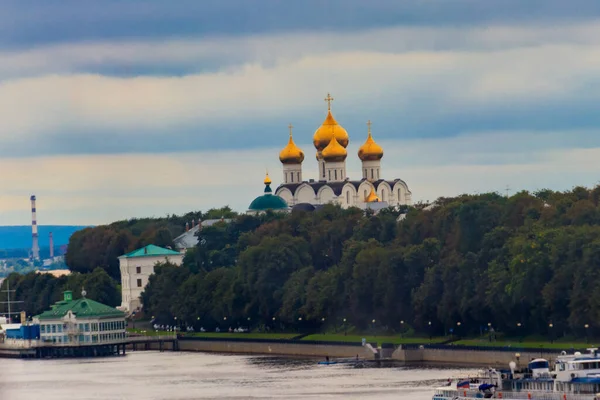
(519, 331)
(490, 331)
(345, 327)
(430, 335)
(550, 326)
(401, 328)
(458, 324)
(587, 338)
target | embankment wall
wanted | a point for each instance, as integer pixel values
(288, 349)
(458, 356)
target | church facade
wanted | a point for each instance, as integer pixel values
(333, 185)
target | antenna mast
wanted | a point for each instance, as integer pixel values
(9, 302)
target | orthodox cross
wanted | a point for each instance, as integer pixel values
(369, 123)
(290, 126)
(328, 99)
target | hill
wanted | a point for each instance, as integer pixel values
(19, 236)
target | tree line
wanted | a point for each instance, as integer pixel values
(524, 264)
(36, 292)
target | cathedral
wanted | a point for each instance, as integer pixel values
(333, 185)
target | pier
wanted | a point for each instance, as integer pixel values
(39, 349)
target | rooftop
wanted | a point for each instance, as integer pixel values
(82, 308)
(151, 251)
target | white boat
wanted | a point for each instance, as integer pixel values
(574, 377)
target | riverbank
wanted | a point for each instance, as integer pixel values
(437, 354)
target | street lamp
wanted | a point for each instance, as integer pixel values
(490, 331)
(587, 338)
(430, 336)
(401, 327)
(519, 330)
(551, 325)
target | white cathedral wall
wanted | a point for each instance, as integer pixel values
(384, 191)
(286, 194)
(292, 173)
(363, 191)
(371, 170)
(348, 197)
(325, 195)
(305, 194)
(402, 193)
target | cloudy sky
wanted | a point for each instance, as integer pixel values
(115, 109)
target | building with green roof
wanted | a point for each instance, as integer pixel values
(81, 322)
(268, 201)
(136, 268)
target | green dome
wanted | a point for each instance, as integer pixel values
(268, 202)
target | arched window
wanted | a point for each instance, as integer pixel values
(323, 164)
(399, 197)
(365, 174)
(298, 175)
(329, 174)
(382, 194)
(366, 194)
(348, 197)
(377, 173)
(335, 174)
(372, 175)
(291, 177)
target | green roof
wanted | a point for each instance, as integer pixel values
(151, 251)
(82, 308)
(268, 202)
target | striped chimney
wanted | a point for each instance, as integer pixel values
(35, 246)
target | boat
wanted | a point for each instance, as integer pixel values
(574, 377)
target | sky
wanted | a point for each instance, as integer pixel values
(118, 109)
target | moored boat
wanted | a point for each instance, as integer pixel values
(574, 377)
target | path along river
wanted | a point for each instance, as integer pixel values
(186, 376)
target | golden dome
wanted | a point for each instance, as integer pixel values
(370, 151)
(291, 154)
(329, 129)
(334, 151)
(372, 197)
(267, 180)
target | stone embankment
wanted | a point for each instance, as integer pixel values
(431, 354)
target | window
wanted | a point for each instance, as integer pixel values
(329, 174)
(138, 270)
(399, 196)
(377, 174)
(139, 283)
(323, 164)
(366, 194)
(335, 173)
(347, 197)
(382, 194)
(298, 176)
(372, 174)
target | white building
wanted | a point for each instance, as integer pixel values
(333, 185)
(189, 238)
(81, 322)
(136, 268)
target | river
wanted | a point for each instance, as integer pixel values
(186, 376)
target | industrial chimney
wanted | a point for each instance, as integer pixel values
(51, 240)
(35, 246)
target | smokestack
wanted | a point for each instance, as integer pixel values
(51, 246)
(35, 246)
(187, 226)
(193, 222)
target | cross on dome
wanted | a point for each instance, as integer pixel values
(369, 123)
(291, 127)
(328, 99)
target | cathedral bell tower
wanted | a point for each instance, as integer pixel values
(331, 140)
(370, 153)
(291, 157)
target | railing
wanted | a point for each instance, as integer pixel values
(483, 348)
(257, 340)
(470, 394)
(132, 339)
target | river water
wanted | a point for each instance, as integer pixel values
(186, 376)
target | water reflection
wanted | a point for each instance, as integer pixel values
(186, 376)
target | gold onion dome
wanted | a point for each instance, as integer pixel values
(291, 154)
(370, 150)
(329, 129)
(267, 180)
(334, 151)
(372, 197)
